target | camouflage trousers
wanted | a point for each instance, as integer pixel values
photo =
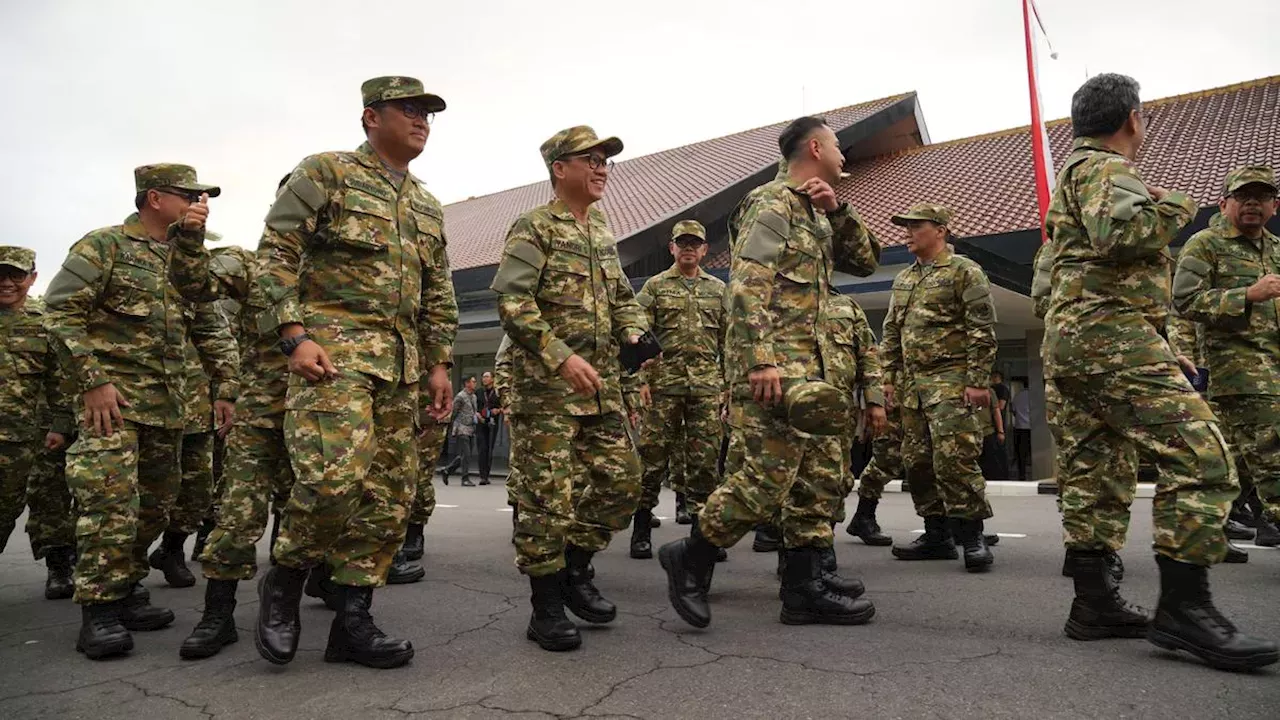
(124, 487)
(196, 496)
(941, 445)
(886, 459)
(513, 466)
(219, 462)
(579, 481)
(15, 465)
(354, 450)
(1105, 425)
(430, 442)
(257, 473)
(774, 473)
(686, 427)
(1251, 424)
(51, 522)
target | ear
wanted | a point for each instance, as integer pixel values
(370, 117)
(815, 147)
(1222, 204)
(153, 199)
(1134, 122)
(557, 169)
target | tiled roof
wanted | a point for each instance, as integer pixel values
(1193, 141)
(642, 190)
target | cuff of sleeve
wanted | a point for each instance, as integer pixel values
(760, 354)
(873, 395)
(287, 312)
(1235, 303)
(555, 355)
(977, 379)
(845, 210)
(433, 355)
(1183, 201)
(62, 425)
(190, 242)
(91, 374)
(228, 390)
(626, 334)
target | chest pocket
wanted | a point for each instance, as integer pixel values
(430, 233)
(367, 220)
(709, 307)
(566, 278)
(904, 293)
(134, 287)
(29, 354)
(611, 266)
(667, 309)
(938, 292)
(1238, 270)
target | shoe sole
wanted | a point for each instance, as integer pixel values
(766, 547)
(199, 653)
(792, 617)
(1236, 560)
(120, 648)
(953, 555)
(263, 650)
(673, 594)
(1079, 631)
(387, 663)
(603, 619)
(641, 554)
(1240, 536)
(875, 543)
(59, 595)
(980, 567)
(158, 624)
(407, 579)
(684, 521)
(553, 646)
(1166, 641)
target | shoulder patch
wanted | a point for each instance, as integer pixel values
(765, 238)
(1128, 196)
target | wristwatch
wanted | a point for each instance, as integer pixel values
(288, 345)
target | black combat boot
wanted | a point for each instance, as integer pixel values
(321, 587)
(1268, 534)
(1238, 531)
(403, 572)
(580, 593)
(1114, 565)
(217, 626)
(689, 563)
(202, 538)
(1186, 619)
(278, 628)
(1098, 611)
(101, 632)
(863, 525)
(849, 587)
(977, 556)
(137, 613)
(60, 562)
(767, 539)
(168, 559)
(682, 511)
(354, 638)
(548, 625)
(934, 544)
(654, 522)
(1235, 555)
(641, 535)
(414, 545)
(806, 599)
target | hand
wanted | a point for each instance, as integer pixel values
(977, 397)
(1156, 192)
(1188, 367)
(224, 414)
(441, 390)
(634, 418)
(1000, 437)
(888, 397)
(634, 339)
(646, 397)
(102, 409)
(311, 362)
(581, 376)
(196, 215)
(766, 385)
(820, 194)
(1267, 288)
(877, 420)
(54, 441)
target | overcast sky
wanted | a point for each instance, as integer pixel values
(244, 89)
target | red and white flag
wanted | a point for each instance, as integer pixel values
(1039, 136)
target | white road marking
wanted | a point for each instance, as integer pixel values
(1251, 546)
(446, 506)
(502, 509)
(1003, 535)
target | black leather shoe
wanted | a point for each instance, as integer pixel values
(863, 525)
(767, 539)
(935, 544)
(414, 545)
(1268, 534)
(217, 626)
(59, 583)
(641, 535)
(279, 594)
(682, 511)
(354, 638)
(849, 587)
(654, 522)
(320, 587)
(807, 600)
(689, 563)
(1235, 555)
(977, 556)
(137, 613)
(1238, 531)
(548, 625)
(580, 594)
(1098, 611)
(169, 559)
(403, 572)
(102, 634)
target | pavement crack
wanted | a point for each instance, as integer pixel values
(65, 691)
(202, 709)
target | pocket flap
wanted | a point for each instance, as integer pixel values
(317, 398)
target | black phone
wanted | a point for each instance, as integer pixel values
(1201, 381)
(633, 356)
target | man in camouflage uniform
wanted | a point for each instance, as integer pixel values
(788, 236)
(939, 345)
(567, 306)
(685, 308)
(34, 391)
(353, 265)
(885, 466)
(125, 330)
(1118, 393)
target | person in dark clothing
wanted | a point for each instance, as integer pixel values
(488, 426)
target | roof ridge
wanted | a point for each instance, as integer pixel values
(1158, 102)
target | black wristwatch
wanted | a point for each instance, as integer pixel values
(288, 345)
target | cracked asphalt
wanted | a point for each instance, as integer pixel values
(943, 644)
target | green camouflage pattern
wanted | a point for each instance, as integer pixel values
(941, 444)
(35, 389)
(1251, 424)
(352, 445)
(933, 212)
(1186, 339)
(886, 460)
(430, 443)
(257, 474)
(398, 87)
(15, 465)
(579, 482)
(124, 487)
(1247, 175)
(1104, 425)
(1241, 339)
(689, 324)
(195, 496)
(684, 430)
(1106, 256)
(22, 258)
(561, 292)
(939, 331)
(855, 366)
(689, 227)
(170, 175)
(502, 366)
(51, 521)
(575, 140)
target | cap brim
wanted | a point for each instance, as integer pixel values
(16, 266)
(213, 190)
(1263, 183)
(688, 235)
(610, 145)
(434, 103)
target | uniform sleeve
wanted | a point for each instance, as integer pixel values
(502, 372)
(766, 225)
(291, 223)
(71, 297)
(200, 277)
(856, 251)
(891, 344)
(1194, 293)
(1042, 279)
(979, 326)
(60, 391)
(1121, 218)
(438, 312)
(627, 315)
(216, 346)
(1181, 334)
(516, 282)
(870, 379)
(645, 298)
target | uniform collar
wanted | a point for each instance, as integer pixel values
(133, 228)
(368, 157)
(674, 272)
(1091, 143)
(1229, 231)
(793, 187)
(943, 259)
(561, 211)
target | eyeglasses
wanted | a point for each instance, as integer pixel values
(414, 111)
(689, 243)
(1258, 196)
(190, 196)
(595, 161)
(8, 273)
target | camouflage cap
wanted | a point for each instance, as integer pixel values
(163, 175)
(932, 212)
(19, 257)
(398, 87)
(576, 140)
(1248, 175)
(816, 407)
(692, 228)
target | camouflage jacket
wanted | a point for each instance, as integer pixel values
(228, 278)
(855, 364)
(562, 292)
(502, 374)
(689, 322)
(1186, 338)
(33, 386)
(1102, 280)
(783, 254)
(1241, 339)
(121, 321)
(360, 262)
(939, 330)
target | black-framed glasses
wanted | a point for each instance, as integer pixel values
(685, 242)
(190, 196)
(1258, 196)
(595, 161)
(413, 111)
(9, 273)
